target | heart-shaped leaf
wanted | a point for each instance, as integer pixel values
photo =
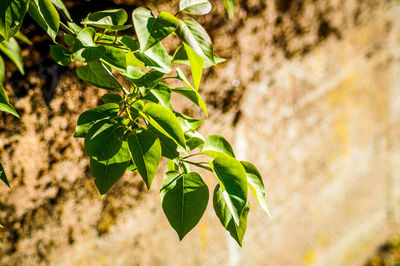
(95, 74)
(108, 19)
(61, 55)
(184, 199)
(145, 150)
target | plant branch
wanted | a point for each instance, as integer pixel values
(66, 29)
(198, 165)
(115, 79)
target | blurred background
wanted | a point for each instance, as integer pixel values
(310, 93)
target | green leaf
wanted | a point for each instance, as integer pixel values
(74, 27)
(12, 13)
(169, 148)
(172, 165)
(160, 94)
(151, 30)
(144, 81)
(111, 98)
(195, 7)
(164, 121)
(180, 57)
(188, 123)
(256, 184)
(196, 66)
(5, 105)
(193, 34)
(184, 199)
(60, 5)
(88, 118)
(115, 57)
(88, 54)
(22, 38)
(3, 176)
(130, 43)
(233, 180)
(107, 173)
(145, 150)
(86, 38)
(12, 50)
(215, 145)
(69, 39)
(193, 139)
(230, 7)
(162, 26)
(103, 140)
(61, 55)
(108, 19)
(2, 70)
(46, 15)
(225, 216)
(94, 74)
(156, 57)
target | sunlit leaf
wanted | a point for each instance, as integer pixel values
(180, 57)
(108, 19)
(5, 105)
(46, 15)
(12, 13)
(214, 145)
(94, 74)
(12, 50)
(195, 7)
(60, 5)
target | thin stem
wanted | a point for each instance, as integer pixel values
(170, 78)
(114, 78)
(66, 29)
(111, 44)
(192, 155)
(198, 165)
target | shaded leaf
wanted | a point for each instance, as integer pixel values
(256, 185)
(144, 81)
(195, 7)
(160, 94)
(2, 70)
(61, 55)
(107, 173)
(188, 123)
(162, 26)
(46, 15)
(215, 145)
(169, 148)
(115, 57)
(94, 74)
(108, 19)
(60, 5)
(184, 199)
(111, 98)
(103, 140)
(145, 150)
(88, 118)
(193, 139)
(225, 216)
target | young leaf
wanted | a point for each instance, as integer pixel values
(145, 150)
(46, 15)
(172, 165)
(196, 66)
(12, 13)
(188, 123)
(88, 118)
(5, 105)
(156, 57)
(180, 57)
(193, 139)
(111, 98)
(169, 149)
(195, 7)
(12, 50)
(107, 173)
(74, 27)
(103, 140)
(60, 5)
(193, 34)
(3, 176)
(225, 216)
(215, 145)
(184, 199)
(151, 30)
(256, 185)
(164, 121)
(108, 19)
(232, 178)
(94, 74)
(86, 38)
(61, 55)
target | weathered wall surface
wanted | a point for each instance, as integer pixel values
(317, 110)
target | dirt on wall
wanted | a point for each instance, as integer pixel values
(53, 204)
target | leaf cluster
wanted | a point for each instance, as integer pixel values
(137, 125)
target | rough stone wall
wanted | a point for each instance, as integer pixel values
(316, 110)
